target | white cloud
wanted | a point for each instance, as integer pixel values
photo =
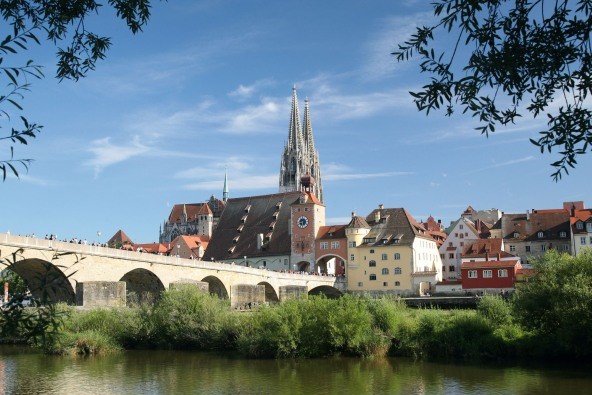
(339, 172)
(503, 164)
(247, 91)
(106, 154)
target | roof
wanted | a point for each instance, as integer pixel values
(358, 222)
(151, 247)
(583, 216)
(489, 264)
(480, 248)
(527, 226)
(120, 238)
(245, 218)
(332, 232)
(193, 211)
(393, 226)
(193, 241)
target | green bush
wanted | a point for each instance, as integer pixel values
(88, 342)
(184, 317)
(495, 309)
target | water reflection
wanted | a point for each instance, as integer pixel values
(168, 372)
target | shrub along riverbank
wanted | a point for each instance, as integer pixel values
(315, 327)
(548, 318)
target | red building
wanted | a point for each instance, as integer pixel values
(489, 275)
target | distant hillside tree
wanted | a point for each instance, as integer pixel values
(62, 23)
(511, 57)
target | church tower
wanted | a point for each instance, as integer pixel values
(300, 156)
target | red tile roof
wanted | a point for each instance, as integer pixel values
(332, 232)
(193, 210)
(489, 264)
(120, 238)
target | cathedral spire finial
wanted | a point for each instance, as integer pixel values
(225, 190)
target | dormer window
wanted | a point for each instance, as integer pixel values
(589, 226)
(244, 219)
(516, 235)
(279, 204)
(580, 225)
(540, 235)
(562, 234)
(248, 208)
(240, 228)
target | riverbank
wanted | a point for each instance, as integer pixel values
(187, 319)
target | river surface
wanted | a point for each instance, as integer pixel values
(23, 371)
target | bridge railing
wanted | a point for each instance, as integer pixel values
(85, 249)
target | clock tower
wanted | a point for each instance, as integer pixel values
(307, 216)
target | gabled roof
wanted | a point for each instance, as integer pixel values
(245, 218)
(485, 247)
(193, 210)
(331, 232)
(120, 238)
(154, 248)
(394, 226)
(527, 226)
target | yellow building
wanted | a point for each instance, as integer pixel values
(389, 252)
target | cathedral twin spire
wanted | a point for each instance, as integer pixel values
(300, 156)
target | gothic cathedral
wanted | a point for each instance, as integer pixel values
(300, 156)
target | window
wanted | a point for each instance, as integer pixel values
(443, 268)
(384, 257)
(512, 248)
(372, 263)
(324, 245)
(461, 226)
(352, 257)
(472, 274)
(360, 284)
(456, 235)
(562, 234)
(372, 251)
(462, 243)
(449, 244)
(540, 235)
(589, 226)
(441, 256)
(397, 256)
(527, 248)
(580, 225)
(515, 235)
(451, 268)
(461, 235)
(397, 270)
(543, 248)
(385, 284)
(385, 271)
(502, 273)
(397, 283)
(583, 240)
(305, 208)
(487, 274)
(451, 255)
(351, 244)
(566, 247)
(466, 234)
(373, 277)
(334, 245)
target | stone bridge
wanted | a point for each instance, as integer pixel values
(88, 275)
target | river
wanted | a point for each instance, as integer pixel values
(23, 371)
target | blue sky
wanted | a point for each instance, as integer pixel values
(207, 86)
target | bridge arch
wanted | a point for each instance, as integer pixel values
(216, 287)
(45, 280)
(302, 266)
(328, 291)
(331, 264)
(271, 295)
(142, 285)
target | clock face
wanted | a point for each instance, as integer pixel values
(302, 222)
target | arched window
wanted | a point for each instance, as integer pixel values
(372, 263)
(397, 283)
(540, 235)
(397, 256)
(372, 277)
(385, 271)
(384, 257)
(397, 270)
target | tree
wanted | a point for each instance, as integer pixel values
(62, 22)
(524, 55)
(557, 305)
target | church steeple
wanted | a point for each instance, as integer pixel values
(225, 190)
(300, 156)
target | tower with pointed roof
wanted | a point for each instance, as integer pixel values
(225, 190)
(300, 156)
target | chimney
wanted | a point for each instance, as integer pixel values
(353, 214)
(377, 216)
(499, 256)
(528, 215)
(381, 206)
(486, 256)
(259, 240)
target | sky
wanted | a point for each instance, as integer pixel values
(207, 88)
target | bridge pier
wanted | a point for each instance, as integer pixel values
(288, 292)
(244, 296)
(101, 294)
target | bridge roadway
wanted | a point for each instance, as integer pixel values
(89, 275)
